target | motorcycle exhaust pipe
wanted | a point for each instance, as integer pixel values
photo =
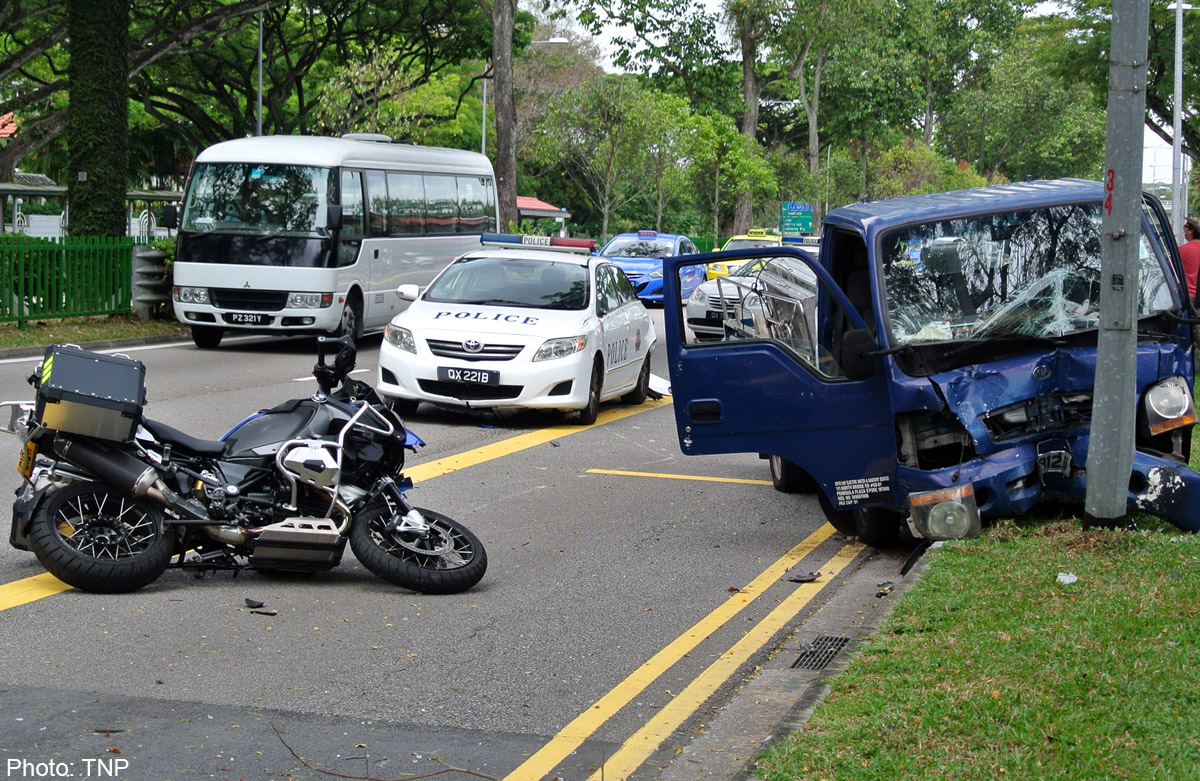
(124, 472)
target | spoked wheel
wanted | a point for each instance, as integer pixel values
(96, 539)
(449, 559)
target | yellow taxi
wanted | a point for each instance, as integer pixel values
(755, 237)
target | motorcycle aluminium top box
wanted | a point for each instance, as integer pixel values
(82, 392)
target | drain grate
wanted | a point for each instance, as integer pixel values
(820, 653)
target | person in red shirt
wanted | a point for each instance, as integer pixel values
(1189, 251)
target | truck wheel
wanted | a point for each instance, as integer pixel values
(788, 478)
(207, 337)
(876, 527)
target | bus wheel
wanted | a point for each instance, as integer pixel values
(352, 318)
(207, 337)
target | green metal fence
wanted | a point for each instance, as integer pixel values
(64, 277)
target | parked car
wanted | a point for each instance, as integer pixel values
(640, 255)
(513, 325)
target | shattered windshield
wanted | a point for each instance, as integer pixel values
(1032, 273)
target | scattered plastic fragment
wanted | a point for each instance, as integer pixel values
(1067, 578)
(253, 602)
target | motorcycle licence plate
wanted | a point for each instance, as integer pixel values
(468, 376)
(26, 459)
(244, 318)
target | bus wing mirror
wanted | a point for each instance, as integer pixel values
(856, 364)
(333, 217)
(170, 216)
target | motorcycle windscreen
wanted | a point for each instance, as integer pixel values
(764, 373)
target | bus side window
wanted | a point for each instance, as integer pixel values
(352, 205)
(441, 200)
(471, 216)
(377, 200)
(407, 205)
(489, 202)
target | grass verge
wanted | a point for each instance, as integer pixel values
(84, 329)
(990, 667)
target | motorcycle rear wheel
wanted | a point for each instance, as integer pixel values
(403, 560)
(95, 538)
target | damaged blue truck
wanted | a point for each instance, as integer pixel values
(933, 365)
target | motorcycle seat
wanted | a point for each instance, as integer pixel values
(176, 438)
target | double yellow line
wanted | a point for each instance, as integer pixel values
(638, 748)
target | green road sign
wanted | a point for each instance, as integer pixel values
(795, 218)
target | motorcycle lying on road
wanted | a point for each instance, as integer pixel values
(111, 498)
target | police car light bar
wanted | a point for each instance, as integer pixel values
(541, 242)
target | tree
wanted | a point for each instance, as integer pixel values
(727, 164)
(34, 62)
(99, 118)
(912, 168)
(599, 132)
(1022, 119)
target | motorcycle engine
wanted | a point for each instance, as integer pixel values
(313, 464)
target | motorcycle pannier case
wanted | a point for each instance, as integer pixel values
(87, 393)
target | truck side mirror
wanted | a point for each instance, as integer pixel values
(170, 216)
(855, 363)
(333, 217)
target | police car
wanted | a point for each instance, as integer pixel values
(525, 321)
(640, 255)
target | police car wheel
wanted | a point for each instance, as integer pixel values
(588, 415)
(642, 390)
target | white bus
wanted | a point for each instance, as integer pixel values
(306, 234)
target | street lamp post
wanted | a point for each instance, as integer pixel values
(483, 122)
(1178, 201)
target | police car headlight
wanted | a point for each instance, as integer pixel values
(560, 348)
(309, 300)
(190, 295)
(699, 296)
(400, 337)
(1169, 405)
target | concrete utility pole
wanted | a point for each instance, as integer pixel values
(1110, 455)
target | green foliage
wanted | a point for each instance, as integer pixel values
(991, 668)
(912, 168)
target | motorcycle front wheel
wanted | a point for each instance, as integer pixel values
(448, 560)
(94, 538)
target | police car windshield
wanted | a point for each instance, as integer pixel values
(533, 284)
(631, 247)
(1032, 273)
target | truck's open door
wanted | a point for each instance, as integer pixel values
(789, 378)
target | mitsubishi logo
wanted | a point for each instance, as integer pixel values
(246, 285)
(472, 345)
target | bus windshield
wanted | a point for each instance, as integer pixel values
(258, 198)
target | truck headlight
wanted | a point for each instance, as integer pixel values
(945, 514)
(400, 337)
(560, 348)
(190, 295)
(309, 300)
(1169, 405)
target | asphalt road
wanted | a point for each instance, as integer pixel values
(640, 613)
